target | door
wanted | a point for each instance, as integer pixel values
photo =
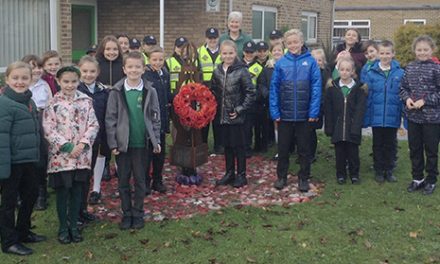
(83, 30)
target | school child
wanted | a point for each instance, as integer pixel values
(109, 56)
(157, 74)
(294, 102)
(276, 37)
(124, 43)
(419, 90)
(133, 128)
(319, 56)
(175, 62)
(345, 102)
(255, 69)
(262, 52)
(209, 58)
(70, 127)
(41, 95)
(352, 44)
(91, 51)
(51, 64)
(235, 93)
(135, 44)
(89, 68)
(371, 52)
(341, 56)
(20, 148)
(148, 43)
(384, 109)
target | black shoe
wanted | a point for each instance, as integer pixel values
(379, 176)
(240, 180)
(341, 180)
(33, 238)
(76, 235)
(275, 157)
(138, 223)
(355, 181)
(64, 237)
(414, 186)
(303, 185)
(94, 198)
(280, 183)
(228, 178)
(313, 160)
(86, 216)
(158, 186)
(19, 249)
(125, 223)
(390, 177)
(428, 189)
(41, 203)
(106, 173)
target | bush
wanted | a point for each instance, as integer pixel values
(405, 35)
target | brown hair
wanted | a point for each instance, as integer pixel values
(368, 44)
(424, 38)
(137, 55)
(88, 58)
(33, 60)
(103, 43)
(18, 65)
(229, 43)
(51, 54)
(154, 50)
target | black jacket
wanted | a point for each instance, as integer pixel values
(110, 71)
(162, 85)
(344, 119)
(100, 98)
(234, 92)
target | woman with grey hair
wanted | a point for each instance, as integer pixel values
(234, 32)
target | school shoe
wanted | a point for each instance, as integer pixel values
(414, 186)
(33, 238)
(158, 186)
(341, 180)
(41, 203)
(379, 176)
(389, 176)
(303, 185)
(240, 180)
(280, 183)
(125, 223)
(355, 180)
(94, 198)
(138, 223)
(64, 236)
(106, 173)
(428, 189)
(86, 216)
(76, 235)
(228, 178)
(19, 249)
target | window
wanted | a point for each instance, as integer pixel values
(340, 26)
(414, 21)
(26, 29)
(263, 22)
(309, 26)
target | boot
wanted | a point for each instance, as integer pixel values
(379, 176)
(106, 173)
(41, 203)
(389, 176)
(158, 185)
(240, 180)
(280, 183)
(228, 178)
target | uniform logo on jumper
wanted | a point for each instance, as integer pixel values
(139, 102)
(205, 57)
(305, 63)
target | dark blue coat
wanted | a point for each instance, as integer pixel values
(295, 88)
(162, 85)
(100, 97)
(384, 107)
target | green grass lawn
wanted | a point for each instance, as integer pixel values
(368, 223)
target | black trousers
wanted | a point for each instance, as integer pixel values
(216, 132)
(424, 138)
(347, 152)
(157, 160)
(133, 162)
(301, 133)
(262, 124)
(249, 126)
(23, 182)
(234, 155)
(384, 148)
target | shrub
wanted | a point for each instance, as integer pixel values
(405, 35)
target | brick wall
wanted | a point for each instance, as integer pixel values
(65, 31)
(138, 18)
(385, 3)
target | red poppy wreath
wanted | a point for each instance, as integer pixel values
(198, 96)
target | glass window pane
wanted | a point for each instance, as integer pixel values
(312, 29)
(304, 27)
(257, 24)
(269, 23)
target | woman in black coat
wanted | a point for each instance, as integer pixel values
(235, 93)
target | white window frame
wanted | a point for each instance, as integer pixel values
(309, 15)
(414, 21)
(265, 9)
(350, 25)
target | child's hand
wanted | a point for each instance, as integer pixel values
(233, 115)
(419, 104)
(157, 149)
(410, 103)
(313, 119)
(115, 152)
(76, 151)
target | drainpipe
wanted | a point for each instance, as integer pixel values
(231, 3)
(161, 23)
(332, 21)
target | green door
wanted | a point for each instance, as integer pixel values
(83, 30)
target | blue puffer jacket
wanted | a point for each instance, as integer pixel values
(295, 88)
(384, 107)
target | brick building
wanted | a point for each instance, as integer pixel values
(380, 19)
(70, 26)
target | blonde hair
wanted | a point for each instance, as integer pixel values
(88, 58)
(349, 60)
(228, 43)
(320, 52)
(294, 31)
(18, 65)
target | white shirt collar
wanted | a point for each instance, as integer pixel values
(91, 87)
(384, 68)
(139, 87)
(212, 50)
(350, 85)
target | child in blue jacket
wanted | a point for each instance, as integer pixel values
(384, 110)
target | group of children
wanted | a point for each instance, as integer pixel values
(61, 120)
